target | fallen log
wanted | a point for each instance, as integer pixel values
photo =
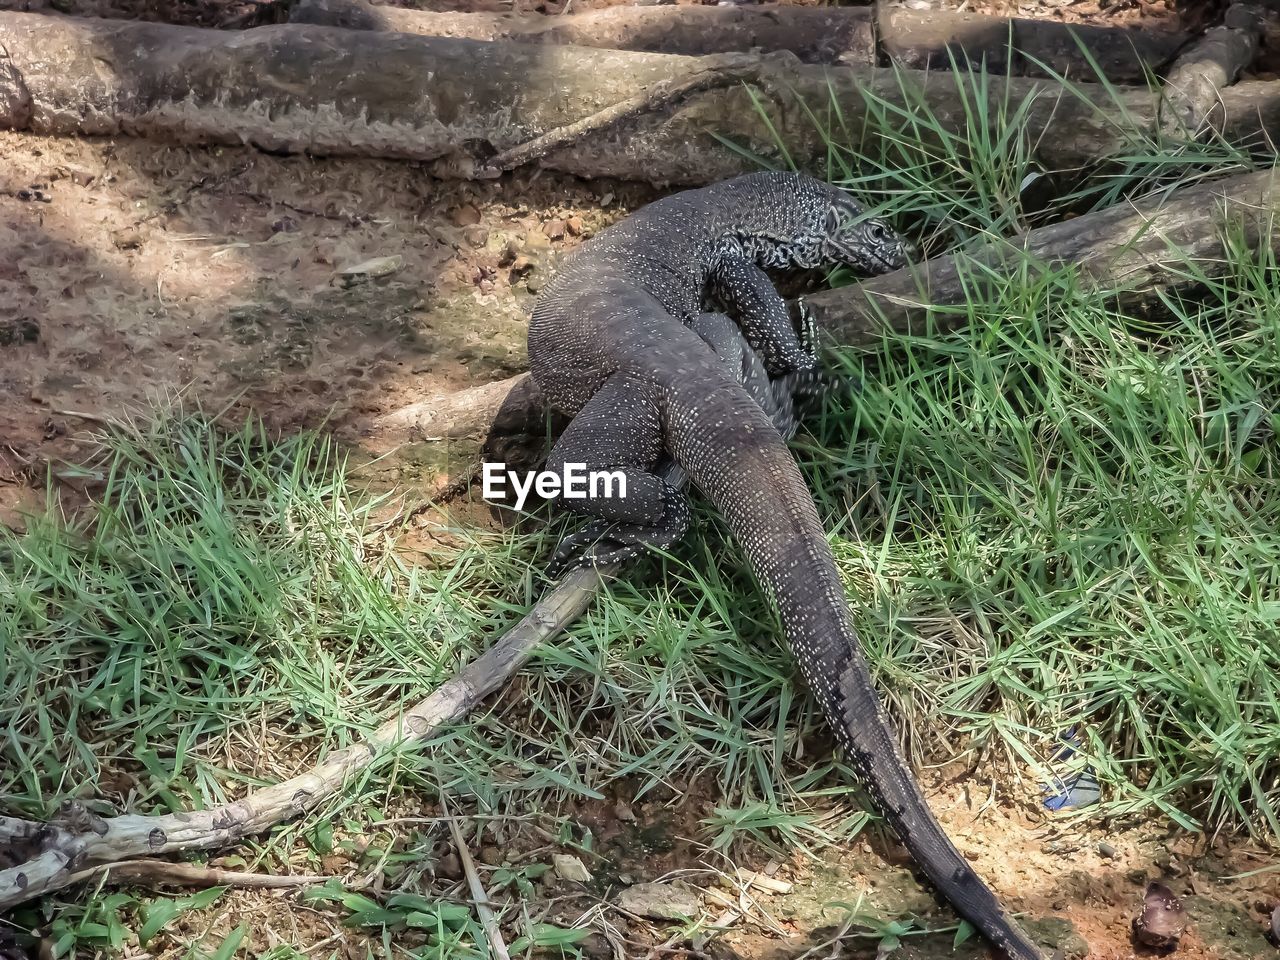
(934, 39)
(1194, 83)
(1130, 253)
(457, 103)
(845, 35)
(813, 34)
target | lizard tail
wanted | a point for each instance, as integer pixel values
(734, 454)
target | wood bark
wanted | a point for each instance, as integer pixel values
(1192, 88)
(813, 34)
(933, 39)
(1131, 253)
(322, 90)
(847, 35)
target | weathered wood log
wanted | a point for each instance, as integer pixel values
(1131, 253)
(296, 88)
(1193, 86)
(813, 34)
(932, 39)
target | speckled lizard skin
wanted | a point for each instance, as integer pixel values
(620, 341)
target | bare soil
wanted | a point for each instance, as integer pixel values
(135, 271)
(1080, 887)
(130, 271)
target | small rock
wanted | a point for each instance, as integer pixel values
(368, 270)
(535, 241)
(624, 812)
(450, 867)
(1107, 850)
(465, 215)
(476, 235)
(521, 263)
(491, 856)
(574, 226)
(606, 198)
(533, 282)
(569, 867)
(284, 225)
(1162, 921)
(81, 176)
(660, 901)
(555, 229)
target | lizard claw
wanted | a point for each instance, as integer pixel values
(808, 332)
(573, 549)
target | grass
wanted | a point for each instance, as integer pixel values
(1057, 515)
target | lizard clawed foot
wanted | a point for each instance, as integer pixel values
(815, 381)
(603, 543)
(808, 332)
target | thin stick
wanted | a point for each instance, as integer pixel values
(479, 896)
(63, 847)
(167, 872)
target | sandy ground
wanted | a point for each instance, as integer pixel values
(131, 271)
(1078, 888)
(134, 272)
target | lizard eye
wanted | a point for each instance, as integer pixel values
(879, 233)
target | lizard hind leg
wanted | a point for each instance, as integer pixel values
(615, 442)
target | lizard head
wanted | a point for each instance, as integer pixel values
(868, 244)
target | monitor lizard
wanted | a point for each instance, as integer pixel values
(613, 343)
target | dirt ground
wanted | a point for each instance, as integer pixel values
(1080, 888)
(135, 271)
(131, 271)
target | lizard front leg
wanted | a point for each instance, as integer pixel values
(747, 294)
(619, 431)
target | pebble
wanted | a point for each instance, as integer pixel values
(569, 867)
(537, 241)
(624, 812)
(662, 901)
(368, 270)
(450, 866)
